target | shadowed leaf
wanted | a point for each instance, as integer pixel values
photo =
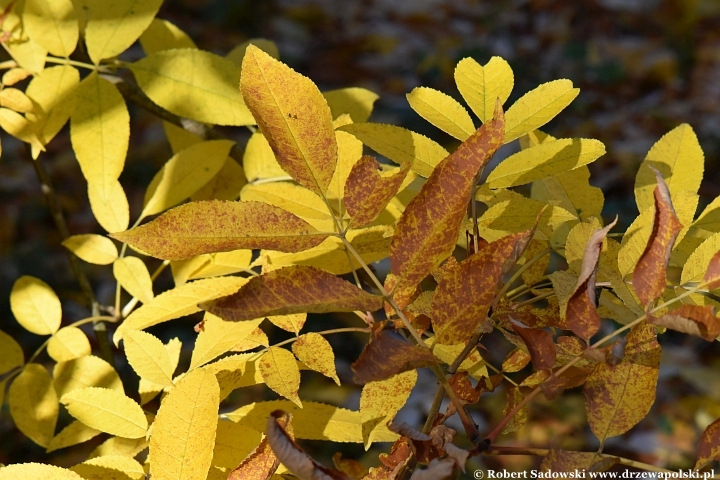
(692, 319)
(261, 463)
(34, 403)
(428, 229)
(650, 276)
(367, 192)
(709, 448)
(558, 460)
(293, 115)
(218, 226)
(712, 273)
(514, 397)
(294, 289)
(581, 314)
(386, 356)
(618, 397)
(540, 345)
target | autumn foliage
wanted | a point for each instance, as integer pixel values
(292, 223)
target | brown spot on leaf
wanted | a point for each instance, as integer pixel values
(692, 319)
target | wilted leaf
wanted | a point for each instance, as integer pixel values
(540, 345)
(693, 319)
(315, 351)
(35, 305)
(380, 401)
(92, 248)
(581, 314)
(53, 24)
(709, 448)
(294, 117)
(183, 437)
(482, 86)
(279, 369)
(218, 226)
(650, 275)
(386, 356)
(106, 410)
(367, 192)
(399, 145)
(146, 354)
(294, 289)
(428, 229)
(132, 275)
(36, 471)
(443, 111)
(34, 404)
(67, 344)
(618, 397)
(75, 433)
(712, 273)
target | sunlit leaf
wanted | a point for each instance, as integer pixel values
(367, 191)
(279, 369)
(92, 248)
(292, 198)
(443, 111)
(87, 371)
(225, 185)
(163, 35)
(15, 99)
(34, 404)
(75, 433)
(67, 344)
(132, 275)
(110, 466)
(259, 160)
(54, 90)
(260, 464)
(147, 356)
(106, 410)
(219, 336)
(356, 102)
(697, 264)
(149, 390)
(380, 401)
(36, 471)
(314, 351)
(482, 86)
(109, 205)
(35, 305)
(52, 24)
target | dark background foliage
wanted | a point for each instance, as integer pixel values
(643, 67)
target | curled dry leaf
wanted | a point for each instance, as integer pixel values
(386, 356)
(292, 456)
(709, 448)
(692, 319)
(436, 444)
(581, 313)
(262, 463)
(428, 229)
(352, 468)
(294, 289)
(540, 345)
(650, 275)
(211, 226)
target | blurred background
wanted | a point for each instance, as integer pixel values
(643, 67)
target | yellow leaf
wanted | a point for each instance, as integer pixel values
(237, 54)
(473, 364)
(178, 302)
(256, 339)
(68, 344)
(179, 138)
(149, 390)
(314, 421)
(183, 436)
(87, 371)
(223, 263)
(697, 264)
(29, 54)
(15, 99)
(294, 116)
(233, 443)
(225, 185)
(314, 351)
(17, 126)
(11, 354)
(114, 25)
(34, 404)
(54, 90)
(132, 275)
(52, 24)
(481, 86)
(517, 214)
(106, 410)
(14, 75)
(290, 323)
(236, 371)
(679, 158)
(75, 433)
(35, 305)
(193, 84)
(545, 160)
(538, 107)
(184, 174)
(148, 357)
(128, 447)
(100, 131)
(372, 243)
(571, 191)
(163, 35)
(380, 401)
(92, 248)
(36, 471)
(349, 152)
(115, 467)
(576, 241)
(294, 199)
(443, 111)
(259, 160)
(399, 145)
(219, 336)
(109, 205)
(354, 101)
(280, 371)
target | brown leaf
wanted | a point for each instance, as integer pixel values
(428, 229)
(437, 470)
(618, 397)
(294, 117)
(514, 397)
(464, 390)
(516, 361)
(709, 448)
(570, 378)
(386, 356)
(581, 314)
(693, 319)
(352, 468)
(540, 345)
(437, 443)
(293, 289)
(262, 462)
(292, 456)
(367, 193)
(712, 274)
(650, 275)
(464, 296)
(558, 460)
(218, 226)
